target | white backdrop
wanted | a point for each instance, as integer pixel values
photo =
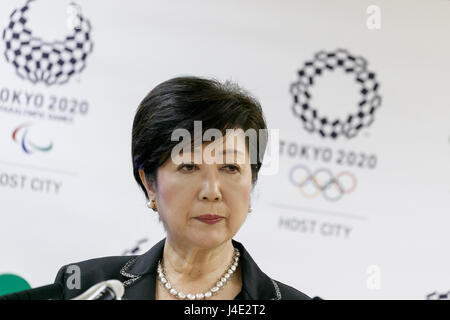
(386, 237)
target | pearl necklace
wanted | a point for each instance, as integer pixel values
(220, 283)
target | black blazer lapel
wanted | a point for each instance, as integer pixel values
(141, 274)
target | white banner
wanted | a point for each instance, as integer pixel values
(359, 205)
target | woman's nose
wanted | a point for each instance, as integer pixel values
(210, 189)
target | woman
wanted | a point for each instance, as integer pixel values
(202, 198)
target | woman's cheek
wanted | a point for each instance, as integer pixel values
(245, 192)
(168, 187)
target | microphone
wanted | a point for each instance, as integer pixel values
(106, 290)
(49, 292)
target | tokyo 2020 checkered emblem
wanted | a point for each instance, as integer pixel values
(310, 115)
(37, 60)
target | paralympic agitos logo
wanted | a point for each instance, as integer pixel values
(22, 136)
(332, 127)
(38, 60)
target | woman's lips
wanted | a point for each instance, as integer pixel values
(209, 218)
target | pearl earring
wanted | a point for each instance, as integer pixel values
(151, 205)
(250, 209)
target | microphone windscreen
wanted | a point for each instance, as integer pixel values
(49, 292)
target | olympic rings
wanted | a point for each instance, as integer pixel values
(322, 181)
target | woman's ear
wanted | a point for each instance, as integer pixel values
(147, 184)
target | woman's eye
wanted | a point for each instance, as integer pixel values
(191, 167)
(232, 168)
(188, 166)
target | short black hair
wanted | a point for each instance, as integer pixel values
(177, 103)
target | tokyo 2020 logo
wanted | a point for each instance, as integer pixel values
(329, 127)
(37, 60)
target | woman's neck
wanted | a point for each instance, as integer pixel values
(184, 263)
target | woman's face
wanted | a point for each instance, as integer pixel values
(199, 186)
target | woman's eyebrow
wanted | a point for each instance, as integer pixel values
(224, 151)
(232, 151)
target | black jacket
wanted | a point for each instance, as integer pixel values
(138, 274)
